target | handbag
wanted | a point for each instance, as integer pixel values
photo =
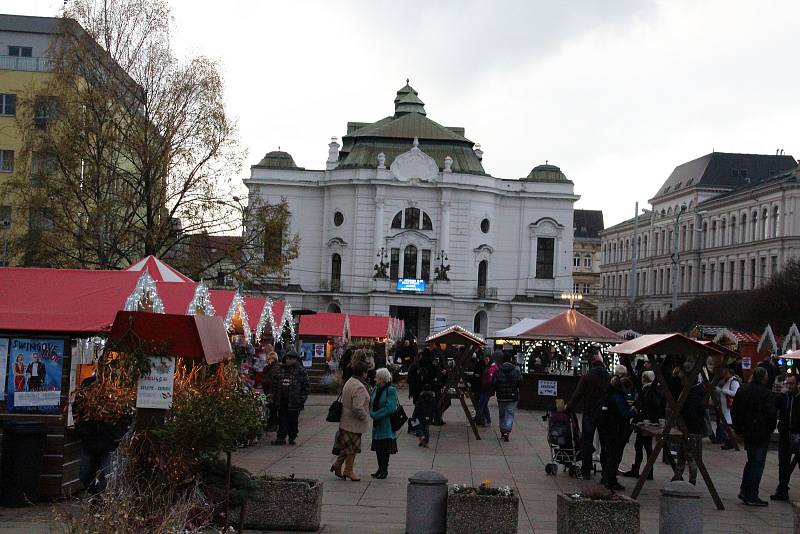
(335, 410)
(398, 418)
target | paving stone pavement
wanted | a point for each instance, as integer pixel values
(380, 505)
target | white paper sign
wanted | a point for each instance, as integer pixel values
(548, 388)
(37, 398)
(155, 390)
(746, 362)
(3, 364)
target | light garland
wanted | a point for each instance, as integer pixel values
(145, 287)
(237, 304)
(266, 315)
(201, 300)
(287, 318)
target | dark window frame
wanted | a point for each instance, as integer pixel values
(545, 258)
(8, 104)
(20, 51)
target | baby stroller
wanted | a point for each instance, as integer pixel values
(564, 438)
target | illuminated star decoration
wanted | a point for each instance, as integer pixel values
(145, 289)
(201, 301)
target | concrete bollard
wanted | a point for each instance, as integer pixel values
(681, 509)
(426, 503)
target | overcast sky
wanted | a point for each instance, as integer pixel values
(615, 92)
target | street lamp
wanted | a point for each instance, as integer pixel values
(572, 297)
(675, 257)
(380, 267)
(441, 270)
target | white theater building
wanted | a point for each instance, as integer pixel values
(411, 194)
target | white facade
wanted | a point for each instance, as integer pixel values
(453, 209)
(730, 237)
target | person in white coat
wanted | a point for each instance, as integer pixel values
(726, 391)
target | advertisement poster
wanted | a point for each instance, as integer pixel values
(746, 362)
(307, 353)
(155, 390)
(34, 373)
(3, 364)
(319, 350)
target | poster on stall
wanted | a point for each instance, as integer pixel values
(155, 389)
(319, 350)
(34, 371)
(307, 353)
(3, 364)
(746, 362)
(548, 388)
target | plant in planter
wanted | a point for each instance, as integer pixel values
(481, 509)
(284, 503)
(596, 510)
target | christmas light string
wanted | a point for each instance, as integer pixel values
(145, 287)
(237, 306)
(201, 300)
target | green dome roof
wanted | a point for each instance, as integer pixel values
(546, 173)
(277, 159)
(408, 101)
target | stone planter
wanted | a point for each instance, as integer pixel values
(796, 514)
(281, 504)
(586, 516)
(468, 514)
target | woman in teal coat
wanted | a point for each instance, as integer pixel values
(383, 403)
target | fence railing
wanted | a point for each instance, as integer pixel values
(28, 64)
(487, 292)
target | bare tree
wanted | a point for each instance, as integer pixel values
(127, 149)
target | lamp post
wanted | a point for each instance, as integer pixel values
(675, 258)
(441, 270)
(380, 267)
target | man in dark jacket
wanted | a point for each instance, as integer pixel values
(590, 391)
(507, 381)
(272, 374)
(614, 420)
(788, 407)
(689, 448)
(754, 417)
(291, 392)
(649, 408)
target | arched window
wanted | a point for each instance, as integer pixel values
(765, 223)
(712, 241)
(644, 249)
(483, 273)
(336, 272)
(410, 262)
(743, 232)
(480, 323)
(722, 236)
(754, 227)
(397, 222)
(734, 230)
(775, 212)
(426, 222)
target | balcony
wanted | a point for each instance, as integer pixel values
(330, 285)
(27, 64)
(486, 292)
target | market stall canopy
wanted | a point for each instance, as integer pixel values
(191, 336)
(62, 300)
(570, 325)
(370, 326)
(160, 271)
(455, 335)
(518, 328)
(665, 344)
(323, 325)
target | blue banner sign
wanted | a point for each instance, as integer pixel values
(411, 284)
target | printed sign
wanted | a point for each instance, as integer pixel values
(155, 389)
(319, 350)
(439, 322)
(3, 364)
(411, 285)
(34, 375)
(747, 362)
(548, 388)
(307, 353)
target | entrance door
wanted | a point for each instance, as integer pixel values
(417, 320)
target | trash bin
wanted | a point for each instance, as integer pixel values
(426, 503)
(24, 444)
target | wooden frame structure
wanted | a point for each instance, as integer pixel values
(676, 345)
(458, 336)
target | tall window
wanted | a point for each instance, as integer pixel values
(644, 249)
(723, 231)
(721, 267)
(336, 271)
(483, 272)
(45, 110)
(6, 161)
(587, 261)
(743, 232)
(754, 227)
(775, 213)
(8, 104)
(576, 261)
(426, 222)
(734, 231)
(394, 263)
(741, 272)
(752, 273)
(42, 219)
(410, 262)
(397, 221)
(702, 278)
(731, 280)
(426, 265)
(20, 51)
(545, 253)
(763, 272)
(765, 224)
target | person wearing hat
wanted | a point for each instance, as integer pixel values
(587, 397)
(290, 393)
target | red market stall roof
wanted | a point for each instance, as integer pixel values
(62, 300)
(370, 326)
(455, 335)
(570, 325)
(665, 344)
(160, 271)
(190, 336)
(323, 325)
